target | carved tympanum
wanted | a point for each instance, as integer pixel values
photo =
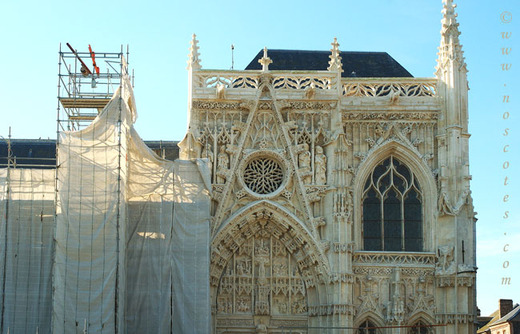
(261, 278)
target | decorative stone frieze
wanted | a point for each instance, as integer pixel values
(339, 247)
(220, 105)
(394, 259)
(445, 281)
(331, 309)
(290, 153)
(453, 318)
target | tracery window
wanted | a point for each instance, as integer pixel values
(420, 328)
(263, 176)
(392, 209)
(368, 327)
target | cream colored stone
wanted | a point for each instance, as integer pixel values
(294, 255)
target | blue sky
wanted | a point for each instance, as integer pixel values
(159, 32)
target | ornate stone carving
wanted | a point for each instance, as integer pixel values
(304, 164)
(306, 105)
(339, 247)
(320, 166)
(382, 271)
(223, 163)
(230, 322)
(265, 61)
(263, 175)
(319, 221)
(220, 105)
(395, 259)
(375, 88)
(390, 116)
(446, 261)
(395, 311)
(445, 205)
(466, 281)
(369, 298)
(341, 278)
(331, 309)
(452, 318)
(418, 272)
(421, 300)
(285, 172)
(220, 91)
(342, 205)
(262, 278)
(445, 281)
(335, 58)
(310, 92)
(193, 56)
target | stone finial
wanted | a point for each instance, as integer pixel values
(335, 58)
(193, 56)
(450, 47)
(265, 61)
(449, 18)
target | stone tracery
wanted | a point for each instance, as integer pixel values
(263, 175)
(262, 278)
(327, 133)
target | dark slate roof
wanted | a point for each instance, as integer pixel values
(41, 153)
(513, 316)
(355, 64)
(30, 152)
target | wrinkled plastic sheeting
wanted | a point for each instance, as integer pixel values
(190, 248)
(26, 233)
(167, 244)
(89, 272)
(148, 245)
(131, 249)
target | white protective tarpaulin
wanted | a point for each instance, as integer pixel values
(167, 244)
(90, 225)
(26, 234)
(132, 232)
(190, 248)
(150, 217)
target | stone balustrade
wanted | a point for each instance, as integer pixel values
(323, 80)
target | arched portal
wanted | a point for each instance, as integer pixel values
(265, 272)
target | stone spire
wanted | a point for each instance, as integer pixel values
(335, 58)
(453, 137)
(193, 56)
(265, 61)
(450, 47)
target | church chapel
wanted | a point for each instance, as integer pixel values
(315, 192)
(340, 191)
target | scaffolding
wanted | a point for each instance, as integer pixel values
(110, 238)
(84, 89)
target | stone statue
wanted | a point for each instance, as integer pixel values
(320, 166)
(304, 163)
(445, 259)
(223, 165)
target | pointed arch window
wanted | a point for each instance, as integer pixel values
(392, 209)
(420, 327)
(368, 327)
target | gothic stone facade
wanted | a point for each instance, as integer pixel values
(337, 201)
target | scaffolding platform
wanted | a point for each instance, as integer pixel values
(86, 82)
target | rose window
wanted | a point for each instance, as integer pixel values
(263, 176)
